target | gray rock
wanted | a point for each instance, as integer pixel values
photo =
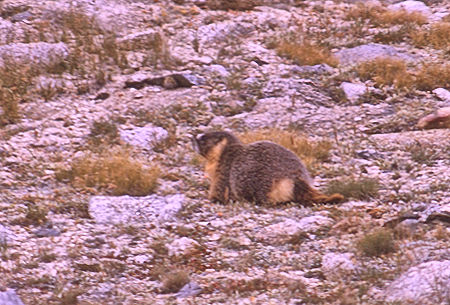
(127, 209)
(338, 265)
(182, 246)
(290, 227)
(47, 232)
(353, 91)
(21, 16)
(189, 290)
(149, 39)
(145, 137)
(427, 283)
(37, 55)
(217, 70)
(9, 297)
(5, 236)
(442, 94)
(412, 6)
(369, 52)
(316, 69)
(222, 31)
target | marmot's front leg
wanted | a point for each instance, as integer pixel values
(219, 191)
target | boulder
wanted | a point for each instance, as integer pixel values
(438, 119)
(412, 7)
(9, 297)
(368, 52)
(338, 265)
(146, 137)
(353, 91)
(127, 209)
(38, 55)
(427, 283)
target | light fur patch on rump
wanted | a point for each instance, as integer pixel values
(282, 191)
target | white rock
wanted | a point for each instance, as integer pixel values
(369, 51)
(145, 137)
(38, 55)
(353, 91)
(291, 226)
(9, 297)
(182, 246)
(412, 6)
(338, 265)
(442, 93)
(126, 209)
(427, 283)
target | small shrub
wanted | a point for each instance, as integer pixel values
(236, 5)
(381, 16)
(310, 152)
(433, 76)
(377, 243)
(35, 215)
(363, 188)
(422, 153)
(438, 36)
(116, 173)
(104, 131)
(385, 71)
(174, 281)
(306, 53)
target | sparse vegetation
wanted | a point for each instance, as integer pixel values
(306, 53)
(362, 188)
(437, 36)
(309, 151)
(174, 281)
(104, 131)
(385, 71)
(432, 76)
(380, 16)
(116, 173)
(377, 243)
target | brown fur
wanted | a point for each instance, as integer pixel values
(261, 172)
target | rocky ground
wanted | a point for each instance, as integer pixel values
(115, 88)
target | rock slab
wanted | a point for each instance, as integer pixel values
(127, 209)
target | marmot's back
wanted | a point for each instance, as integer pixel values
(261, 172)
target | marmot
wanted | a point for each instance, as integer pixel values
(262, 172)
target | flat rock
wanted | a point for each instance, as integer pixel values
(9, 297)
(145, 137)
(290, 227)
(368, 52)
(442, 94)
(353, 91)
(38, 55)
(188, 290)
(427, 283)
(438, 119)
(182, 246)
(127, 209)
(412, 6)
(338, 265)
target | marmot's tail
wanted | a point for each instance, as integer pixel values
(307, 195)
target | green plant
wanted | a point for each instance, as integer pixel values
(363, 188)
(376, 243)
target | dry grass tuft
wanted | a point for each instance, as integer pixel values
(381, 16)
(438, 36)
(174, 281)
(306, 53)
(236, 5)
(114, 172)
(363, 188)
(310, 152)
(433, 76)
(386, 71)
(377, 243)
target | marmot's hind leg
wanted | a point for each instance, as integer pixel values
(307, 195)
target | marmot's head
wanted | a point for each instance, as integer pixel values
(205, 142)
